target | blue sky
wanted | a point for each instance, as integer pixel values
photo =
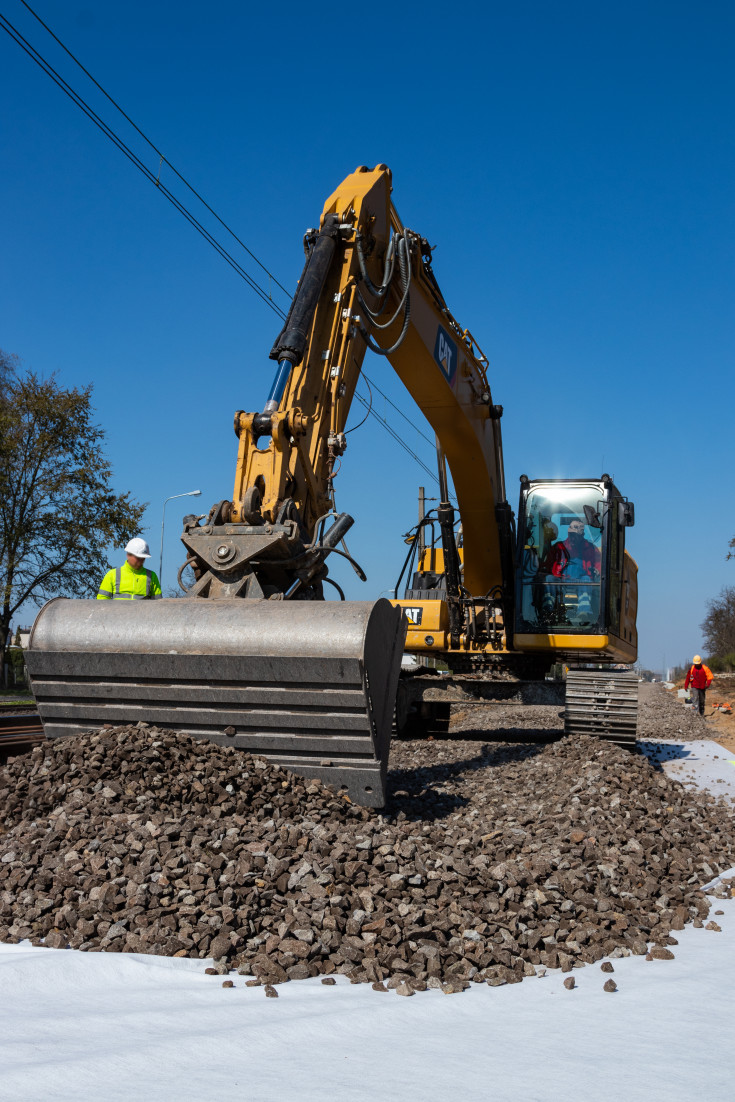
(573, 164)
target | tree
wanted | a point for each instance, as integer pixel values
(8, 368)
(58, 511)
(718, 625)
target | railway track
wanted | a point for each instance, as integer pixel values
(20, 730)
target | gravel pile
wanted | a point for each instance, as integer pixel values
(661, 715)
(510, 721)
(490, 860)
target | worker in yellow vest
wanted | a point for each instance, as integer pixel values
(131, 581)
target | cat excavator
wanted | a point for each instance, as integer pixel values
(256, 658)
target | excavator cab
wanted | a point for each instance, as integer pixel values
(575, 583)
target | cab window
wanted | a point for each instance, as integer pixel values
(560, 568)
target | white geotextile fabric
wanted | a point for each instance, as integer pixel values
(114, 1028)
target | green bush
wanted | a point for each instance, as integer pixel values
(16, 661)
(721, 663)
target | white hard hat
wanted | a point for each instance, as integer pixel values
(139, 548)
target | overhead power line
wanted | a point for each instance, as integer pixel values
(398, 439)
(121, 145)
(107, 130)
(399, 411)
(164, 159)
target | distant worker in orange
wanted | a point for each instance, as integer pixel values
(700, 679)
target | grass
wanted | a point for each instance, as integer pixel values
(9, 697)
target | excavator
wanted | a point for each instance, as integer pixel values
(253, 656)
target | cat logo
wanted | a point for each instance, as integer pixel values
(445, 354)
(413, 615)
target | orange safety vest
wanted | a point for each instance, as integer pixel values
(697, 673)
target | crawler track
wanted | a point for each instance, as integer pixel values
(602, 703)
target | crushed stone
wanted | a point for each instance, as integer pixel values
(492, 861)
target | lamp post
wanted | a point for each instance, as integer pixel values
(189, 493)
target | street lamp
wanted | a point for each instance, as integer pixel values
(189, 493)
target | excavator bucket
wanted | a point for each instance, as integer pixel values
(309, 685)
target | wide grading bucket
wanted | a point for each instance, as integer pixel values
(309, 685)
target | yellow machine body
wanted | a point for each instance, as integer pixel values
(250, 658)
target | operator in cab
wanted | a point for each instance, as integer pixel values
(131, 581)
(575, 561)
(575, 557)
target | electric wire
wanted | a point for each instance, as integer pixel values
(35, 56)
(399, 411)
(156, 150)
(398, 439)
(369, 408)
(404, 261)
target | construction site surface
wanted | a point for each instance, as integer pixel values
(549, 880)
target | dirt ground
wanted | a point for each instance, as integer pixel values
(662, 716)
(722, 726)
(719, 726)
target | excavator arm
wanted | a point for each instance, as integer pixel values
(307, 682)
(367, 282)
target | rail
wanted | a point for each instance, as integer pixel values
(19, 731)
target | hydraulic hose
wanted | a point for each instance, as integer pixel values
(387, 269)
(292, 340)
(404, 262)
